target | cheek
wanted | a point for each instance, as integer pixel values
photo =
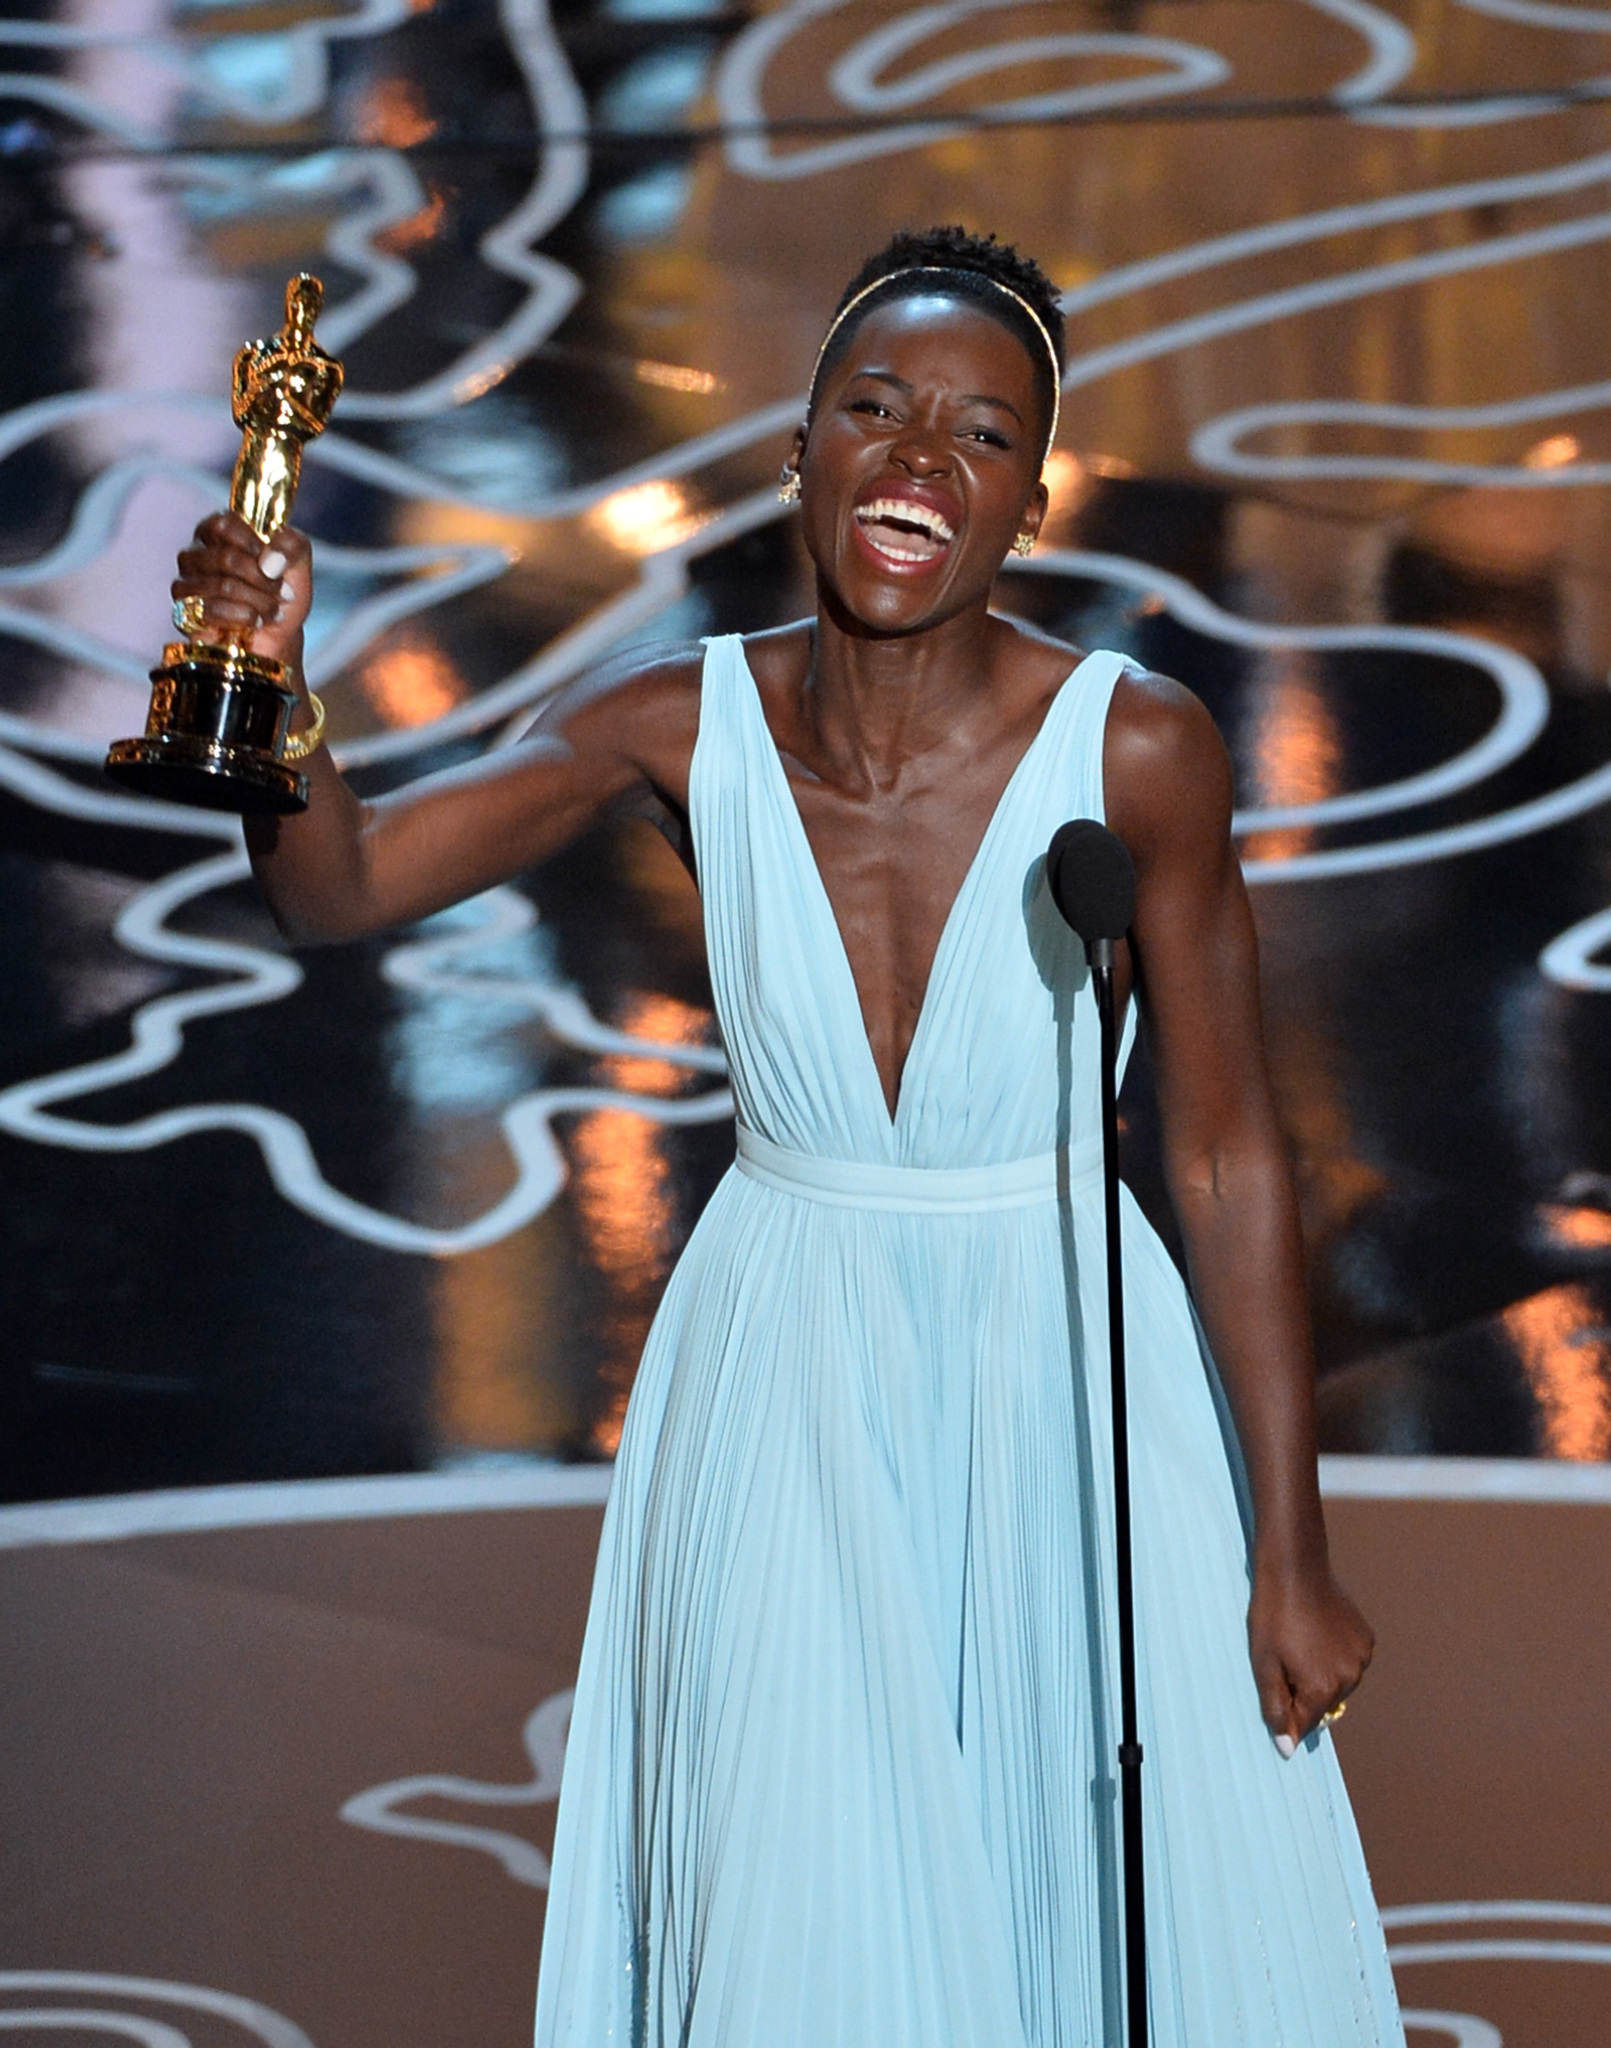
(831, 474)
(822, 526)
(999, 491)
(834, 449)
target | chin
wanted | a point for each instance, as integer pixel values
(894, 605)
(880, 611)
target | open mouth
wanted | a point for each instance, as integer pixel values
(903, 530)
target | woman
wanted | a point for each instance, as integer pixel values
(841, 1764)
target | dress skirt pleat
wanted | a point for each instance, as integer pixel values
(841, 1768)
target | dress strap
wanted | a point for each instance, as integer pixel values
(1090, 696)
(716, 775)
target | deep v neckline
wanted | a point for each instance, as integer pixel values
(943, 946)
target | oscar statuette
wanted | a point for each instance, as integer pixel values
(218, 730)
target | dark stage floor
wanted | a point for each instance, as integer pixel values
(1335, 452)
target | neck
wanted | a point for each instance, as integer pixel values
(878, 699)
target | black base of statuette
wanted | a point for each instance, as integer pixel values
(214, 735)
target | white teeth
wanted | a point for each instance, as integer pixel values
(913, 514)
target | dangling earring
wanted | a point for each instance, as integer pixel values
(788, 486)
(1024, 544)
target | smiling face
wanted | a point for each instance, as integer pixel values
(922, 463)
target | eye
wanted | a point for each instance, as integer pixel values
(875, 406)
(992, 437)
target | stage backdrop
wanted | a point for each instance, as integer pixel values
(1334, 452)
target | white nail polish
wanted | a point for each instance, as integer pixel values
(288, 590)
(1286, 1746)
(272, 564)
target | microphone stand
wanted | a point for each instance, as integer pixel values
(1099, 952)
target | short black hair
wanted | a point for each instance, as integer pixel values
(976, 264)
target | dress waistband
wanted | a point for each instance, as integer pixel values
(941, 1190)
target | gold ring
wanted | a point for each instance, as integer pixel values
(190, 615)
(1335, 1714)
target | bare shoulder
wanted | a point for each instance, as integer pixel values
(1038, 662)
(662, 679)
(1166, 774)
(642, 704)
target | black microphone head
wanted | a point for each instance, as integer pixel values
(1092, 879)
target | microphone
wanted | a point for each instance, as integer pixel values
(1093, 882)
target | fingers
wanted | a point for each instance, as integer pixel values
(1310, 1706)
(1315, 1704)
(1293, 1711)
(229, 529)
(1309, 1648)
(240, 579)
(228, 600)
(289, 548)
(218, 563)
(1276, 1703)
(229, 581)
(287, 562)
(1325, 1687)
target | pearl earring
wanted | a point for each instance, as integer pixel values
(1024, 544)
(788, 486)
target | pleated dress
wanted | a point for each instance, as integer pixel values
(841, 1770)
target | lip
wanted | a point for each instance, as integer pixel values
(938, 503)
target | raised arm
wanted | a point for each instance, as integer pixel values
(347, 866)
(1195, 956)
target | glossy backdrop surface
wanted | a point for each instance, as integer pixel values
(1335, 451)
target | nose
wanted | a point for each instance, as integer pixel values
(921, 450)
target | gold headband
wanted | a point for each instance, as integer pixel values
(952, 272)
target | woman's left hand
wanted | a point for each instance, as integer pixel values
(1310, 1646)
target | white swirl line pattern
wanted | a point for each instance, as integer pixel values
(1468, 2030)
(1560, 181)
(1569, 959)
(560, 114)
(304, 71)
(382, 177)
(543, 1737)
(1218, 445)
(560, 119)
(86, 2020)
(559, 105)
(262, 977)
(1269, 307)
(554, 95)
(412, 479)
(451, 570)
(1514, 107)
(1092, 366)
(855, 76)
(661, 580)
(1519, 683)
(1523, 694)
(261, 2022)
(1465, 2028)
(740, 81)
(157, 1040)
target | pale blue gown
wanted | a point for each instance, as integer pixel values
(840, 1771)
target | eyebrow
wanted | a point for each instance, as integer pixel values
(972, 398)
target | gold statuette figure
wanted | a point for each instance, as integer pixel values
(217, 733)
